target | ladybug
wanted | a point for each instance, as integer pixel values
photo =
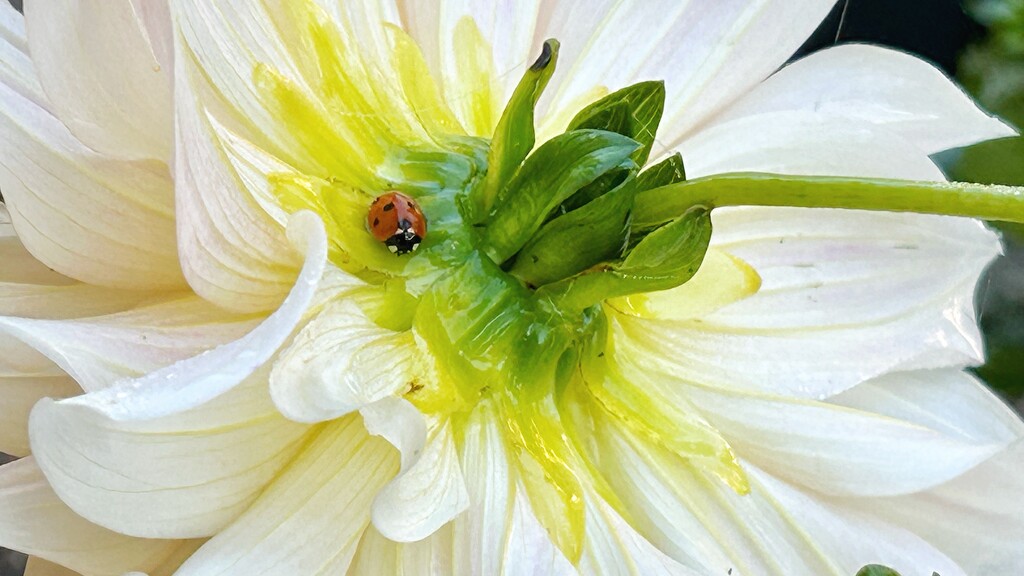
(396, 220)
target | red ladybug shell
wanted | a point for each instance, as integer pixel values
(396, 220)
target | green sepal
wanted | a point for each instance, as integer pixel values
(668, 171)
(633, 111)
(556, 170)
(877, 570)
(514, 136)
(665, 258)
(578, 240)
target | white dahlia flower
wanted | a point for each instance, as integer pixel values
(211, 362)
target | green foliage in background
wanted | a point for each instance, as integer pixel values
(993, 72)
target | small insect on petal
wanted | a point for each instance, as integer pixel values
(400, 213)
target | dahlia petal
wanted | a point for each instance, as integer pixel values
(871, 84)
(16, 70)
(38, 523)
(228, 40)
(29, 289)
(614, 547)
(87, 216)
(506, 45)
(17, 397)
(808, 143)
(708, 55)
(773, 530)
(378, 555)
(191, 382)
(99, 71)
(36, 566)
(836, 450)
(425, 495)
(340, 362)
(232, 252)
(181, 476)
(950, 401)
(976, 518)
(311, 518)
(498, 533)
(102, 350)
(12, 27)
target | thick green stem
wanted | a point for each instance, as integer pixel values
(988, 202)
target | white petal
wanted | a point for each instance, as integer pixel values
(708, 54)
(853, 539)
(310, 520)
(845, 296)
(425, 495)
(99, 351)
(232, 252)
(977, 519)
(35, 521)
(85, 215)
(953, 402)
(99, 71)
(180, 476)
(196, 380)
(837, 450)
(773, 530)
(871, 84)
(803, 142)
(17, 397)
(613, 547)
(340, 362)
(16, 69)
(228, 39)
(508, 29)
(498, 533)
(377, 555)
(12, 27)
(31, 290)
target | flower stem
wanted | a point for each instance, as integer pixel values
(988, 202)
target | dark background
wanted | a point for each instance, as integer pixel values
(986, 53)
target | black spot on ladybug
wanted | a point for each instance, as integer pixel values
(404, 224)
(376, 222)
(389, 206)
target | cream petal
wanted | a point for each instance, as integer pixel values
(425, 495)
(228, 39)
(100, 73)
(805, 142)
(102, 350)
(976, 519)
(87, 216)
(17, 397)
(708, 54)
(310, 520)
(192, 382)
(613, 547)
(876, 85)
(185, 475)
(505, 46)
(952, 402)
(377, 555)
(16, 70)
(37, 522)
(837, 450)
(773, 530)
(498, 533)
(12, 27)
(38, 567)
(232, 252)
(340, 362)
